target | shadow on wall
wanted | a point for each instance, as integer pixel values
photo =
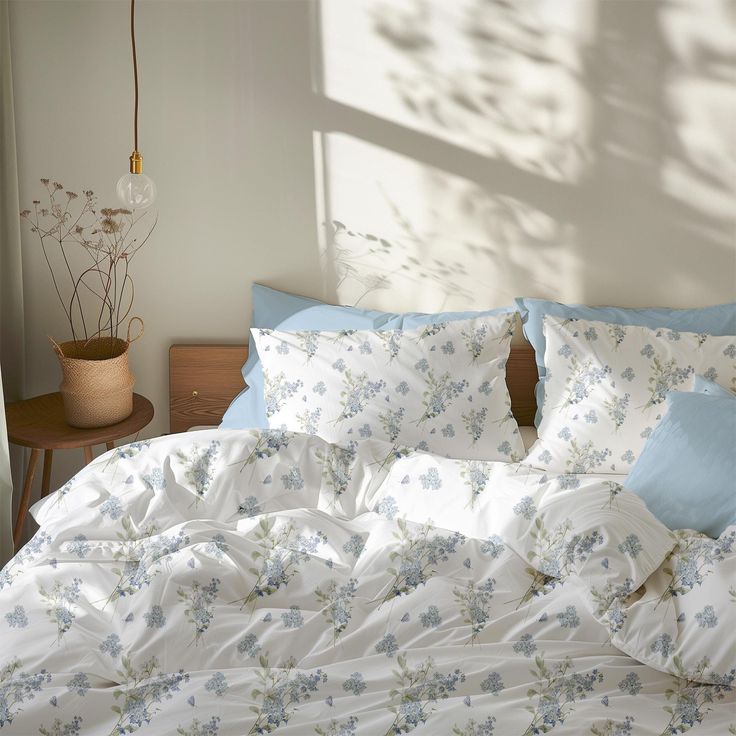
(476, 150)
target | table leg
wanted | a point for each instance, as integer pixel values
(88, 455)
(48, 456)
(110, 445)
(25, 498)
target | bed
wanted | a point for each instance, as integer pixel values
(225, 582)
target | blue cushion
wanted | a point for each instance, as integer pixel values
(704, 386)
(686, 473)
(718, 320)
(281, 310)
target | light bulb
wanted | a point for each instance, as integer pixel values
(136, 191)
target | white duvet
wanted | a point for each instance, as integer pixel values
(256, 582)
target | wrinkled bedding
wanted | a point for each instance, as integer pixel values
(252, 582)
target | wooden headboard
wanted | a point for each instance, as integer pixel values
(204, 379)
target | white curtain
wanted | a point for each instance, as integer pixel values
(11, 284)
(6, 492)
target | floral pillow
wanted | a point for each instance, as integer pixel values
(606, 387)
(440, 388)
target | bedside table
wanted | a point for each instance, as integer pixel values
(39, 423)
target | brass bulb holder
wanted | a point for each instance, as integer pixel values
(136, 163)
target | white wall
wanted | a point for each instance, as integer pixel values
(568, 149)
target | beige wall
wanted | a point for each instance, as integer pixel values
(568, 149)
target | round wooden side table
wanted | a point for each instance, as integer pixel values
(39, 423)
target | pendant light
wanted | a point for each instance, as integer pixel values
(135, 190)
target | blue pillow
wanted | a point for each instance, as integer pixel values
(703, 385)
(718, 320)
(281, 310)
(686, 473)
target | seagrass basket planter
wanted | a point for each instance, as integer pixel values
(97, 383)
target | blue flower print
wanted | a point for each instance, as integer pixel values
(292, 619)
(319, 388)
(402, 388)
(628, 374)
(590, 417)
(545, 457)
(431, 618)
(628, 456)
(493, 546)
(293, 480)
(112, 646)
(112, 508)
(365, 348)
(155, 481)
(631, 546)
(590, 334)
(569, 618)
(492, 684)
(525, 508)
(282, 348)
(631, 684)
(79, 546)
(355, 684)
(505, 448)
(730, 351)
(568, 482)
(663, 645)
(387, 645)
(647, 351)
(79, 684)
(448, 348)
(217, 684)
(155, 618)
(485, 388)
(618, 333)
(217, 546)
(565, 434)
(565, 351)
(365, 431)
(431, 480)
(17, 618)
(339, 365)
(249, 645)
(707, 618)
(525, 645)
(711, 374)
(422, 365)
(448, 431)
(387, 507)
(354, 545)
(250, 507)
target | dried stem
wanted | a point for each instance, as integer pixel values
(107, 240)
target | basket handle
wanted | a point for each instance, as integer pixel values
(140, 334)
(55, 345)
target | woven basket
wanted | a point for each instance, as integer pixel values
(97, 385)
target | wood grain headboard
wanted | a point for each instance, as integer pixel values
(204, 379)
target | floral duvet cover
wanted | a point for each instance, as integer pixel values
(236, 582)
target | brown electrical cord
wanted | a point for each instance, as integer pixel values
(135, 72)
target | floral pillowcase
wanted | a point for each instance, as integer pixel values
(440, 388)
(606, 387)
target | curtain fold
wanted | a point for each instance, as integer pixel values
(12, 343)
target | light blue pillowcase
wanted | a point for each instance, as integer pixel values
(703, 385)
(717, 320)
(280, 310)
(686, 473)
